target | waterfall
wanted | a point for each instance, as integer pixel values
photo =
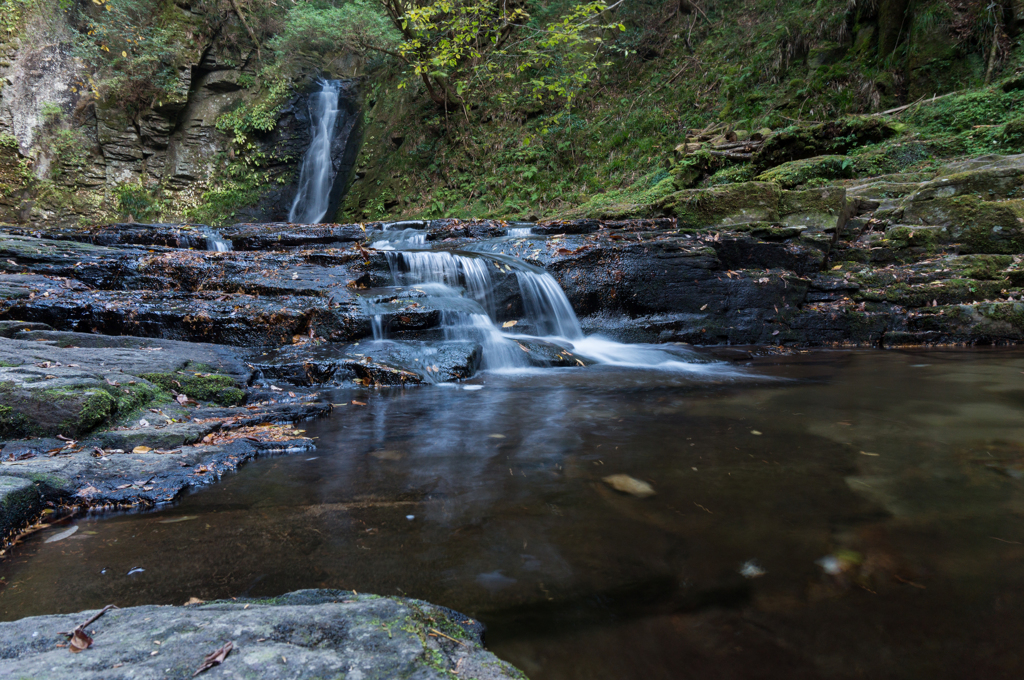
(518, 232)
(316, 176)
(462, 286)
(214, 241)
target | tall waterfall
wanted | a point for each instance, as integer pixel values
(317, 173)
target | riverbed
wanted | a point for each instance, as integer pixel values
(816, 514)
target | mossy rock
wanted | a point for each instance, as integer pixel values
(795, 173)
(724, 206)
(689, 170)
(979, 226)
(1012, 136)
(947, 292)
(815, 209)
(835, 137)
(211, 387)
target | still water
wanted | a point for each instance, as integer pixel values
(824, 515)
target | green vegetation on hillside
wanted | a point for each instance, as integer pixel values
(540, 109)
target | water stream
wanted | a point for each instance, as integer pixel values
(462, 285)
(216, 242)
(317, 172)
(848, 515)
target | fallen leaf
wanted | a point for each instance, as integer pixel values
(630, 485)
(143, 422)
(754, 432)
(194, 600)
(509, 324)
(215, 658)
(358, 403)
(79, 641)
(141, 449)
(865, 453)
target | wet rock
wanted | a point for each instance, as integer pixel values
(50, 385)
(546, 354)
(274, 236)
(304, 634)
(21, 503)
(153, 463)
(385, 362)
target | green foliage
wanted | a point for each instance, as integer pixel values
(318, 28)
(468, 50)
(260, 114)
(51, 113)
(71, 152)
(134, 200)
(236, 185)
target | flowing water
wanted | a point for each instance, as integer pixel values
(316, 175)
(832, 514)
(829, 514)
(216, 242)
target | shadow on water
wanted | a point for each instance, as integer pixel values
(822, 515)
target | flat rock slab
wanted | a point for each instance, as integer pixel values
(305, 634)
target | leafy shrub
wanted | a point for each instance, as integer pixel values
(133, 200)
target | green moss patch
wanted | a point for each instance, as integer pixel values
(212, 387)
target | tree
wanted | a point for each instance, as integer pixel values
(458, 47)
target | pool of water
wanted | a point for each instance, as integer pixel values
(832, 514)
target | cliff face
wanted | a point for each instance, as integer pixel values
(67, 158)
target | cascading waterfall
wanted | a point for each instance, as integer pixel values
(461, 287)
(317, 172)
(519, 232)
(214, 241)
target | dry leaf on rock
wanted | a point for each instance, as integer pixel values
(80, 641)
(215, 658)
(141, 449)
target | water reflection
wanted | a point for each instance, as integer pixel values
(879, 495)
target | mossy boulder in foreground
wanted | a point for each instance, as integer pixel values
(302, 635)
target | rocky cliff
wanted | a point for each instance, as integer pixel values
(69, 156)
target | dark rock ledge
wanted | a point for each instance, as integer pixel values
(305, 634)
(92, 420)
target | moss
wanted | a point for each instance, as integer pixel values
(14, 424)
(835, 137)
(900, 237)
(725, 205)
(980, 226)
(985, 267)
(947, 292)
(795, 173)
(214, 387)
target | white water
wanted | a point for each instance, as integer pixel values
(461, 285)
(214, 241)
(397, 239)
(317, 173)
(519, 232)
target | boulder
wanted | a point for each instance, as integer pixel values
(302, 635)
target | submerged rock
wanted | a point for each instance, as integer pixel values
(304, 634)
